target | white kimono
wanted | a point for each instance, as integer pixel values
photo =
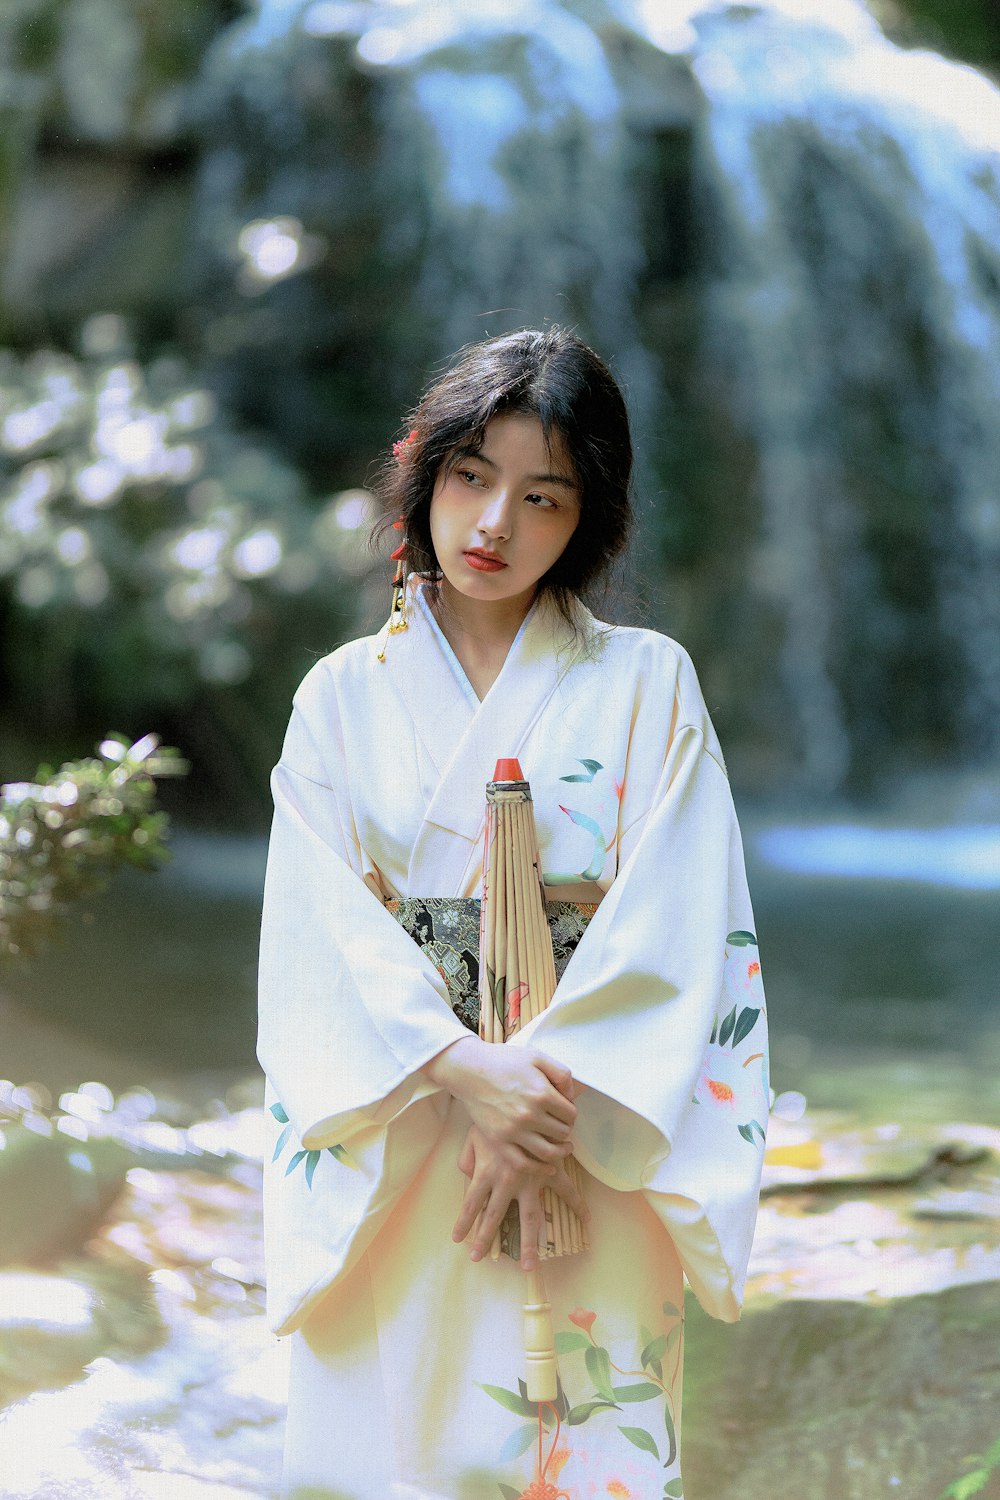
(407, 1356)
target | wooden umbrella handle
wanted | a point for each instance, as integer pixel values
(539, 1341)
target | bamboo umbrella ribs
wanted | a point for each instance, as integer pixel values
(517, 979)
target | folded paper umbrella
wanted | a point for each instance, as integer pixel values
(517, 979)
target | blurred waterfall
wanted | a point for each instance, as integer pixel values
(782, 229)
(508, 129)
(829, 163)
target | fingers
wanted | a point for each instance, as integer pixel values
(561, 1107)
(493, 1186)
(544, 1110)
(552, 1153)
(559, 1076)
(475, 1200)
(564, 1186)
(467, 1156)
(489, 1222)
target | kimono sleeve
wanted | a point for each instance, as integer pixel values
(349, 1007)
(660, 1014)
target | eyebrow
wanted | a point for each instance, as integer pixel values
(570, 484)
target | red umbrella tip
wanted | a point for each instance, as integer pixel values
(508, 770)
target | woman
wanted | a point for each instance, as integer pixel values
(403, 1138)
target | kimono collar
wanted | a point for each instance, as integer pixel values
(464, 741)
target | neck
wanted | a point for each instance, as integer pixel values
(483, 628)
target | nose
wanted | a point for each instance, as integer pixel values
(495, 516)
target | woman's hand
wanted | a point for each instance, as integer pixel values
(496, 1181)
(520, 1098)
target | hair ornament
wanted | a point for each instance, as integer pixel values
(397, 612)
(401, 449)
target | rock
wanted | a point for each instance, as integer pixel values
(839, 1400)
(55, 1189)
(49, 1329)
(54, 1323)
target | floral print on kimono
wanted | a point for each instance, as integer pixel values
(733, 1076)
(639, 1397)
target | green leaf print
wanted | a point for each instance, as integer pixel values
(726, 1029)
(654, 1351)
(742, 939)
(568, 1339)
(518, 1442)
(586, 1409)
(310, 1157)
(670, 1311)
(599, 1370)
(520, 1405)
(596, 865)
(560, 1403)
(668, 1422)
(341, 1154)
(642, 1439)
(672, 1490)
(547, 1417)
(592, 768)
(499, 992)
(509, 1493)
(745, 1024)
(644, 1391)
(746, 1133)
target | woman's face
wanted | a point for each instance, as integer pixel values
(501, 516)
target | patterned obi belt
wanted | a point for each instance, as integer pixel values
(447, 929)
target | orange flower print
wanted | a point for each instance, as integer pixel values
(753, 971)
(514, 1004)
(557, 1463)
(720, 1078)
(721, 1092)
(583, 1319)
(619, 1489)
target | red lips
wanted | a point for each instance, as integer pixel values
(482, 561)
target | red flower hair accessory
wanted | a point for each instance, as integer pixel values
(401, 450)
(399, 525)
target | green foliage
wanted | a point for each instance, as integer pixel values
(108, 70)
(970, 31)
(975, 1482)
(149, 553)
(63, 835)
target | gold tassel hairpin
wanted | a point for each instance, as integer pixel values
(397, 610)
(402, 452)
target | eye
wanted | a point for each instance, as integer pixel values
(468, 476)
(541, 502)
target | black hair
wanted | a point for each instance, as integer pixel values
(553, 375)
